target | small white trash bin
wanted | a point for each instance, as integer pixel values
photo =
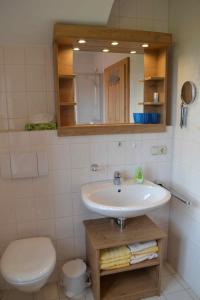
(75, 278)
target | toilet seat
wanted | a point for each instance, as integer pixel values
(27, 261)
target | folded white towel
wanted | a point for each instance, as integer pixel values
(136, 247)
(140, 258)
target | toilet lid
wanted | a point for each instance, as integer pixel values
(28, 260)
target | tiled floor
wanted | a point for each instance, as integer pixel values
(173, 288)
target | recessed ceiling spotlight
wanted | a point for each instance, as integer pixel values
(105, 50)
(82, 41)
(114, 43)
(145, 45)
(132, 51)
(76, 49)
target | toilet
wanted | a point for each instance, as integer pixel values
(28, 263)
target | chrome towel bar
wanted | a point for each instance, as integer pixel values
(176, 195)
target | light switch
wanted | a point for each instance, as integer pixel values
(159, 150)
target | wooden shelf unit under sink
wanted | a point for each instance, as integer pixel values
(129, 283)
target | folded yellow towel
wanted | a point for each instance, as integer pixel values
(146, 251)
(114, 253)
(105, 261)
(115, 264)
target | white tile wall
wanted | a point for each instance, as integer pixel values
(150, 15)
(184, 234)
(26, 84)
(184, 237)
(26, 72)
(51, 205)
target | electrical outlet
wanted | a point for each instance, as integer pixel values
(159, 150)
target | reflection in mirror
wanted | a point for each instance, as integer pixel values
(188, 92)
(108, 86)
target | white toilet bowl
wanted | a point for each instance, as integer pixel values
(28, 263)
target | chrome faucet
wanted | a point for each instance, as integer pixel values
(117, 178)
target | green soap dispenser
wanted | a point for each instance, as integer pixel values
(139, 177)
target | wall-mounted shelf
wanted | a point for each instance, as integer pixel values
(155, 75)
(68, 103)
(62, 76)
(151, 103)
(134, 282)
(152, 78)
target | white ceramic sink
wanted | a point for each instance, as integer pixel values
(124, 201)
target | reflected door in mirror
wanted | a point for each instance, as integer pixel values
(116, 92)
(108, 87)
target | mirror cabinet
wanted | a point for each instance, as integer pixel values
(110, 80)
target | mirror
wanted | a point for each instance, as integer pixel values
(110, 80)
(108, 86)
(188, 92)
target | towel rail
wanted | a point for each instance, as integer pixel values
(176, 195)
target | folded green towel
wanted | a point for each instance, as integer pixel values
(41, 126)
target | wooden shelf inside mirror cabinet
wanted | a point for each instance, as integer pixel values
(67, 116)
(151, 103)
(152, 78)
(66, 90)
(62, 76)
(65, 86)
(68, 103)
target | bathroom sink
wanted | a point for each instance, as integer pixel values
(123, 201)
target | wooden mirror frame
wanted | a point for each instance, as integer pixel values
(156, 62)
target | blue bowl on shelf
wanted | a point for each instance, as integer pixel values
(137, 117)
(141, 118)
(146, 118)
(155, 118)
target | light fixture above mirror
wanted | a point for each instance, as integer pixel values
(105, 50)
(81, 41)
(114, 43)
(145, 45)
